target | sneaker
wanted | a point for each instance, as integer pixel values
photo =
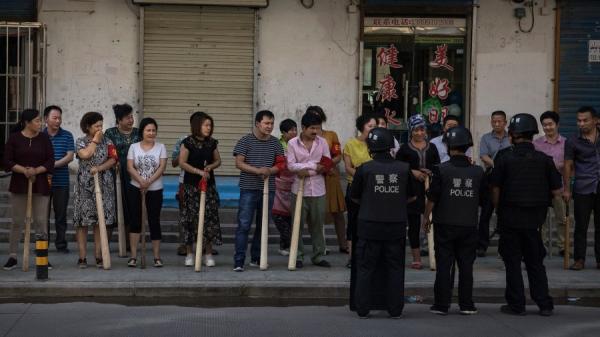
(10, 264)
(364, 316)
(396, 316)
(468, 311)
(158, 263)
(132, 262)
(284, 252)
(209, 261)
(299, 264)
(238, 269)
(99, 262)
(189, 260)
(323, 263)
(49, 266)
(438, 311)
(254, 263)
(82, 263)
(546, 312)
(506, 309)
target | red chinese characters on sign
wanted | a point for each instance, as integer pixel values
(388, 57)
(441, 58)
(434, 116)
(387, 89)
(440, 88)
(391, 116)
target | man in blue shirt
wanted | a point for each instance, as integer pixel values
(64, 148)
(490, 144)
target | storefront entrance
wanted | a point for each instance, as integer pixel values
(415, 65)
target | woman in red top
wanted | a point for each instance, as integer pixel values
(28, 153)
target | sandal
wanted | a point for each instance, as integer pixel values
(416, 265)
(82, 263)
(158, 263)
(132, 262)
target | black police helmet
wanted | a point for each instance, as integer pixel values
(380, 140)
(523, 124)
(458, 136)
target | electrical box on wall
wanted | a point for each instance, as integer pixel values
(520, 12)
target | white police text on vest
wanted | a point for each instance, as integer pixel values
(387, 189)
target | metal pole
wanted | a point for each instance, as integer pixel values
(18, 66)
(6, 114)
(29, 73)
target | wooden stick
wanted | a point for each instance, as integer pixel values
(143, 231)
(296, 227)
(567, 246)
(120, 219)
(264, 232)
(430, 243)
(28, 220)
(200, 235)
(101, 224)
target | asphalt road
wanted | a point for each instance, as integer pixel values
(94, 319)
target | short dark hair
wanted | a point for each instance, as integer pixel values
(363, 120)
(461, 148)
(263, 113)
(451, 118)
(587, 108)
(50, 108)
(122, 111)
(145, 122)
(89, 119)
(310, 118)
(286, 125)
(499, 113)
(380, 115)
(550, 114)
(25, 116)
(196, 121)
(317, 110)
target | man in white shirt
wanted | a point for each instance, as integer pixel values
(450, 122)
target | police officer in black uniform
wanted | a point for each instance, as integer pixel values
(457, 190)
(382, 187)
(523, 182)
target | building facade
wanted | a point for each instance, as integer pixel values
(231, 58)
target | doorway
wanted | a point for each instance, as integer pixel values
(415, 66)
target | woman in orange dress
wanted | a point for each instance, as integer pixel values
(335, 203)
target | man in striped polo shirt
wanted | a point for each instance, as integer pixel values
(64, 148)
(257, 156)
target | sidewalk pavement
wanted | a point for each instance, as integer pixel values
(277, 286)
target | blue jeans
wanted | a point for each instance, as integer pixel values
(250, 201)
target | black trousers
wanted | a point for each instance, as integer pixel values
(524, 245)
(484, 223)
(369, 253)
(353, 209)
(59, 200)
(154, 200)
(454, 243)
(414, 230)
(584, 205)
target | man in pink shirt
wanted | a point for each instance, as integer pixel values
(553, 145)
(308, 156)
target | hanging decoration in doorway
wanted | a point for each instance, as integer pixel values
(439, 88)
(441, 58)
(388, 57)
(387, 89)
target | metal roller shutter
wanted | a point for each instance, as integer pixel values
(241, 3)
(199, 59)
(578, 77)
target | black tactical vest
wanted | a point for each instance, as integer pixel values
(526, 182)
(459, 199)
(384, 192)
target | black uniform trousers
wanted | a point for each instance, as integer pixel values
(519, 245)
(454, 243)
(369, 253)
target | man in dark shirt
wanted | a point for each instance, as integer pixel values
(523, 181)
(582, 160)
(382, 187)
(456, 185)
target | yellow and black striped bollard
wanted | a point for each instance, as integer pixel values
(41, 260)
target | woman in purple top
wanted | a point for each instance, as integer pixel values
(30, 156)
